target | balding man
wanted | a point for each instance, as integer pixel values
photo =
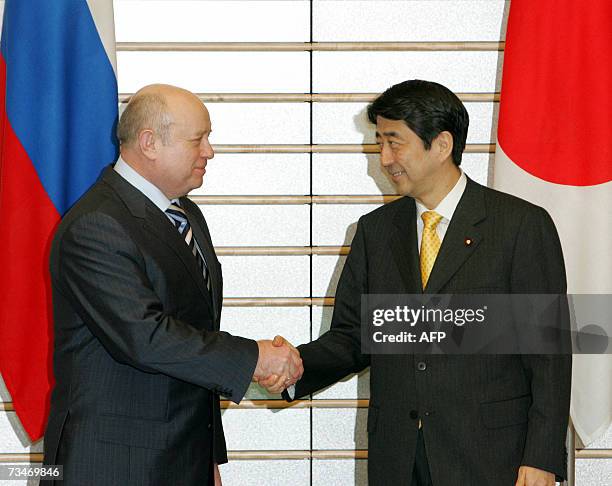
(139, 359)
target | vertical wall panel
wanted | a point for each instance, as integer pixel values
(254, 225)
(287, 429)
(215, 72)
(361, 174)
(212, 20)
(348, 123)
(335, 224)
(256, 174)
(326, 272)
(373, 72)
(593, 472)
(339, 472)
(342, 428)
(259, 123)
(414, 20)
(266, 276)
(357, 174)
(268, 472)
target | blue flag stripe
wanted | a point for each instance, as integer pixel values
(61, 94)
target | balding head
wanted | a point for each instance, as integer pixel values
(151, 108)
(164, 134)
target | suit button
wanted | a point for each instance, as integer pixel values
(209, 426)
(414, 414)
(427, 414)
(421, 366)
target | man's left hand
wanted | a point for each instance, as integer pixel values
(531, 476)
(276, 383)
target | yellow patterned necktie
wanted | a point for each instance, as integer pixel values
(430, 244)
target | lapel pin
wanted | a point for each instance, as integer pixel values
(468, 242)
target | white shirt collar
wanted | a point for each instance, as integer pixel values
(446, 207)
(151, 191)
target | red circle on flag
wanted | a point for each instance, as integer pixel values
(555, 118)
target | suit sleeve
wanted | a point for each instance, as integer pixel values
(102, 272)
(337, 353)
(538, 268)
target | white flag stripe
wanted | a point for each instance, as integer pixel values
(583, 217)
(102, 13)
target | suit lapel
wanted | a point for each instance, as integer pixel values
(404, 242)
(157, 223)
(461, 239)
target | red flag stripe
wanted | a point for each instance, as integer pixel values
(28, 220)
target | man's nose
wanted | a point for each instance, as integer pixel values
(207, 151)
(386, 158)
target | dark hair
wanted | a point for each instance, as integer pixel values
(427, 108)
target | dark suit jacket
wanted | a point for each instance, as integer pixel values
(483, 415)
(139, 360)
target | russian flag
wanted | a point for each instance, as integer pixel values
(58, 109)
(555, 149)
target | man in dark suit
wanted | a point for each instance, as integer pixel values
(494, 420)
(139, 359)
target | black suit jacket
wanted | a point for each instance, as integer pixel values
(483, 415)
(139, 360)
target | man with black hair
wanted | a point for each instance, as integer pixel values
(446, 420)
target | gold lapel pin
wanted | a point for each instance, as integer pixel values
(468, 241)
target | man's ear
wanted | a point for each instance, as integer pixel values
(443, 144)
(146, 143)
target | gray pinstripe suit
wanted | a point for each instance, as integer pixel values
(483, 416)
(139, 360)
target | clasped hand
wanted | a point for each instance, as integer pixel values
(279, 364)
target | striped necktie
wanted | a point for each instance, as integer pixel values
(177, 215)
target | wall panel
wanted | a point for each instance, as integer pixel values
(349, 174)
(260, 123)
(593, 472)
(348, 123)
(335, 224)
(258, 225)
(269, 472)
(414, 20)
(342, 428)
(216, 72)
(256, 174)
(211, 21)
(339, 472)
(266, 276)
(326, 271)
(373, 72)
(285, 430)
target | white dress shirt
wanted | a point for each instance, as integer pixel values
(446, 209)
(151, 191)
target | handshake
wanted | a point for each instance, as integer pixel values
(279, 365)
